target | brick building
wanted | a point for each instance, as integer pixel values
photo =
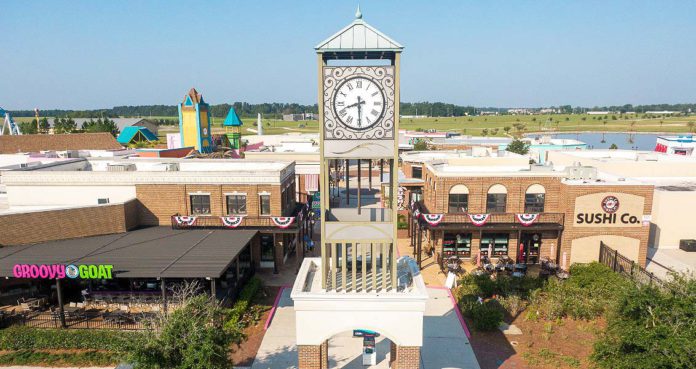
(101, 196)
(527, 212)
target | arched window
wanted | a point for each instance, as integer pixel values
(496, 199)
(534, 199)
(458, 199)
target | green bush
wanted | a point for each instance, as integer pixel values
(401, 222)
(650, 328)
(234, 324)
(585, 295)
(23, 338)
(486, 316)
(191, 337)
(87, 358)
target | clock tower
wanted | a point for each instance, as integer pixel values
(358, 283)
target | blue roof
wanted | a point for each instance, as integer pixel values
(130, 132)
(232, 119)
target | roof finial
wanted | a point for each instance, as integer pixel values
(358, 13)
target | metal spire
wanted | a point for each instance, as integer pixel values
(358, 13)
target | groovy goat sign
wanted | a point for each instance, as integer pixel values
(609, 210)
(60, 271)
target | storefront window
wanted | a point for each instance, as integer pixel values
(495, 202)
(236, 204)
(265, 204)
(458, 244)
(200, 204)
(534, 203)
(498, 240)
(458, 203)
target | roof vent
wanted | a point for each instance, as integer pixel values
(129, 167)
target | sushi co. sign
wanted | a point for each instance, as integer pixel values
(60, 271)
(609, 209)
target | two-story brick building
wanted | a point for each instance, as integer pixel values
(528, 212)
(178, 193)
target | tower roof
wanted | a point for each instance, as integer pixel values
(358, 37)
(193, 97)
(232, 119)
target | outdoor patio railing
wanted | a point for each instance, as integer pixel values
(623, 265)
(84, 320)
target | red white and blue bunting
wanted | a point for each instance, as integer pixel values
(184, 220)
(433, 219)
(527, 219)
(283, 222)
(479, 219)
(232, 222)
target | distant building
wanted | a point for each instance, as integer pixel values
(194, 122)
(135, 134)
(298, 117)
(60, 142)
(121, 123)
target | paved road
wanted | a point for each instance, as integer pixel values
(445, 345)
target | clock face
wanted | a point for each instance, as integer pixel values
(358, 103)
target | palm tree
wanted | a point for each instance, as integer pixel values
(691, 125)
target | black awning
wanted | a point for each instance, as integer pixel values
(144, 253)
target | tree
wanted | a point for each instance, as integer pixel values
(44, 126)
(518, 147)
(691, 125)
(191, 337)
(101, 125)
(507, 129)
(613, 147)
(420, 145)
(64, 125)
(484, 132)
(650, 327)
(28, 128)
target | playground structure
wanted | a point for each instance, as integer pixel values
(12, 127)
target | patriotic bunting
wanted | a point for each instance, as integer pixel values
(232, 222)
(433, 219)
(184, 220)
(283, 222)
(479, 219)
(527, 219)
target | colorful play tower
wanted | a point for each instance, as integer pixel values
(194, 122)
(233, 129)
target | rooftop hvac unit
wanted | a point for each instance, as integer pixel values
(582, 173)
(171, 167)
(130, 167)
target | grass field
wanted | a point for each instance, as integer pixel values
(493, 125)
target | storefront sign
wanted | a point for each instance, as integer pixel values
(609, 210)
(53, 271)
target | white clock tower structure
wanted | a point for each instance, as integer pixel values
(359, 283)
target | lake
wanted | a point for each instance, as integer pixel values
(627, 141)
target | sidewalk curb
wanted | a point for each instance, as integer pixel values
(275, 306)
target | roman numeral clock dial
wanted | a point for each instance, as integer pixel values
(358, 103)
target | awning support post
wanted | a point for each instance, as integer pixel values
(163, 284)
(61, 309)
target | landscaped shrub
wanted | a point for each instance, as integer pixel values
(513, 304)
(588, 292)
(58, 359)
(24, 338)
(234, 324)
(477, 285)
(486, 316)
(650, 328)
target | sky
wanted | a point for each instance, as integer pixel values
(99, 54)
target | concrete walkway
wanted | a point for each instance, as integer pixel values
(445, 344)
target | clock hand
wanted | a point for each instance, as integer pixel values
(356, 104)
(360, 111)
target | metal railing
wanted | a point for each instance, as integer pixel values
(77, 320)
(213, 221)
(623, 265)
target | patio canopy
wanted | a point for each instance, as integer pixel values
(144, 253)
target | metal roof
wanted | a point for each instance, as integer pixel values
(358, 37)
(232, 119)
(145, 253)
(128, 134)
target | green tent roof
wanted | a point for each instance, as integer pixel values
(232, 119)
